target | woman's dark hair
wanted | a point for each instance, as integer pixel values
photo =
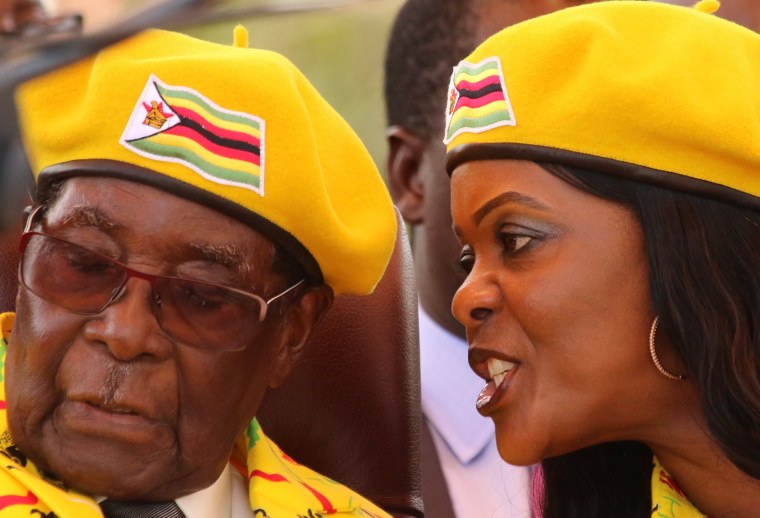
(704, 278)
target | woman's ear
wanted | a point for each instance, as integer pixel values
(298, 324)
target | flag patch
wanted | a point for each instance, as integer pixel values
(178, 124)
(478, 99)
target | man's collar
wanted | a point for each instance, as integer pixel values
(215, 500)
(449, 391)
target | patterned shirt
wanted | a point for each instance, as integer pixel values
(668, 501)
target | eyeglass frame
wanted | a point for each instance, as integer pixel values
(27, 233)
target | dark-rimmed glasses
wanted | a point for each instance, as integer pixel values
(196, 313)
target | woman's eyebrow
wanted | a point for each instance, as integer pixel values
(502, 199)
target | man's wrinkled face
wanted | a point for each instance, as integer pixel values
(111, 404)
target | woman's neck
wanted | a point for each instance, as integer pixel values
(703, 471)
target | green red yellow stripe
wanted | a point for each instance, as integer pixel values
(222, 145)
(185, 150)
(479, 99)
(226, 119)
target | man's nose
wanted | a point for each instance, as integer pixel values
(129, 326)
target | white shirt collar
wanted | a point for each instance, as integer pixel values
(227, 497)
(213, 501)
(449, 391)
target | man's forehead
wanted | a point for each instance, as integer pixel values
(113, 201)
(121, 207)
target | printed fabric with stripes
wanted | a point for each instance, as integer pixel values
(478, 99)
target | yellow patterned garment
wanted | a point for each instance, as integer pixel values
(279, 487)
(668, 501)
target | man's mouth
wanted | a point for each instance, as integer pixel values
(122, 423)
(114, 409)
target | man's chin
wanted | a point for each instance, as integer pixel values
(153, 482)
(113, 469)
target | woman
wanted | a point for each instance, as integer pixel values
(605, 166)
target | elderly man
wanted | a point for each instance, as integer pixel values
(197, 207)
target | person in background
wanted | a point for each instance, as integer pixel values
(196, 207)
(606, 196)
(462, 472)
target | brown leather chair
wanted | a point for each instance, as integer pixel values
(351, 409)
(8, 268)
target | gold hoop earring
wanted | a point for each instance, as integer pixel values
(653, 354)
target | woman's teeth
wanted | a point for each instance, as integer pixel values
(497, 369)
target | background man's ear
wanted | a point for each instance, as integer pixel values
(297, 326)
(404, 177)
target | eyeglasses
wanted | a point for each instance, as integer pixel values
(196, 313)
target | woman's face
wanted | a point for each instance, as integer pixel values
(557, 303)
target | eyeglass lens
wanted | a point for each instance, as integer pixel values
(194, 312)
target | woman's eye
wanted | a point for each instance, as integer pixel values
(513, 243)
(466, 259)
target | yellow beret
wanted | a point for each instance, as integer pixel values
(652, 92)
(237, 129)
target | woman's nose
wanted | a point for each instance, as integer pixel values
(129, 326)
(475, 300)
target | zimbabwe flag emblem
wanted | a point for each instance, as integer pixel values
(178, 124)
(478, 99)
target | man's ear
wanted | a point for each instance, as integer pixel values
(297, 327)
(405, 150)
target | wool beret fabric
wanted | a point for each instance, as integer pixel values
(240, 130)
(653, 92)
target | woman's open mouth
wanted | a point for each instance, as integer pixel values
(500, 372)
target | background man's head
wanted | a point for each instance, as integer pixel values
(428, 38)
